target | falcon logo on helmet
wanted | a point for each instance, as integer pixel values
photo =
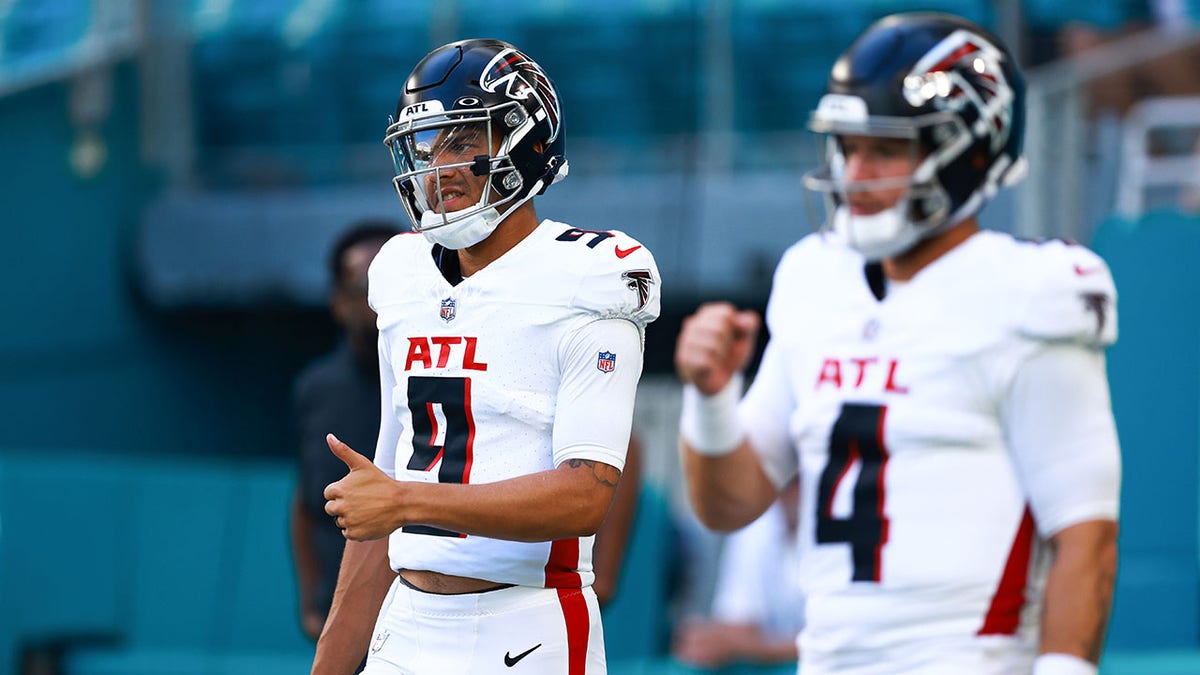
(515, 70)
(938, 78)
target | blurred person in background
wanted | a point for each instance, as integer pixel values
(612, 539)
(337, 393)
(1173, 74)
(510, 353)
(757, 609)
(939, 390)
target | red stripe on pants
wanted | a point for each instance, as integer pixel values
(578, 623)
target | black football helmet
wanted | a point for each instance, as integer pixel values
(950, 87)
(481, 104)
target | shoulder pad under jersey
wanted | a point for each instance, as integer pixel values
(617, 275)
(1071, 295)
(392, 268)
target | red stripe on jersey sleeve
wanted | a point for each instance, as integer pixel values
(1004, 614)
(575, 615)
(562, 565)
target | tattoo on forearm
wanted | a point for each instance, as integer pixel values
(605, 474)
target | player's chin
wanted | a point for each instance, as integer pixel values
(866, 210)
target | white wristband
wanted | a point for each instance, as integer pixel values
(1063, 664)
(709, 424)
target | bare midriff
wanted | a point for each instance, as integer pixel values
(447, 584)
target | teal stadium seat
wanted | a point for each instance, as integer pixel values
(40, 33)
(63, 544)
(589, 57)
(1105, 15)
(124, 565)
(1154, 371)
(147, 565)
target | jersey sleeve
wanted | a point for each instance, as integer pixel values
(389, 271)
(621, 280)
(601, 364)
(1071, 297)
(764, 413)
(1059, 423)
(767, 407)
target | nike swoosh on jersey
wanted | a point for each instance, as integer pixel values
(511, 661)
(1084, 271)
(622, 253)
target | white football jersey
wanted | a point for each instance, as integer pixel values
(932, 459)
(532, 361)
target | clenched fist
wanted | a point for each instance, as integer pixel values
(714, 344)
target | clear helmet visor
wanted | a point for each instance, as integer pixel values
(895, 177)
(445, 165)
(891, 197)
(893, 148)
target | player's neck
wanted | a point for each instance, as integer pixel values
(510, 232)
(905, 266)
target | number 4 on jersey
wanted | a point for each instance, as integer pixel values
(857, 437)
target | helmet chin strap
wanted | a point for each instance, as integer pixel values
(469, 230)
(888, 233)
(893, 231)
(461, 233)
(555, 171)
(879, 235)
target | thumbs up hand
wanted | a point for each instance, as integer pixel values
(349, 457)
(363, 503)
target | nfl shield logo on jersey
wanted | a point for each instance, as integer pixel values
(449, 309)
(606, 362)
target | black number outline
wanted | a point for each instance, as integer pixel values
(574, 234)
(457, 451)
(857, 436)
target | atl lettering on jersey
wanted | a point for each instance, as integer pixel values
(451, 351)
(853, 372)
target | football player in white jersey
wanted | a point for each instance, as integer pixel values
(940, 391)
(510, 351)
